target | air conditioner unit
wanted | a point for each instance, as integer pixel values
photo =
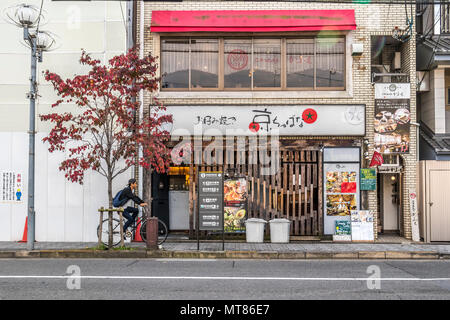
(380, 68)
(357, 49)
(423, 81)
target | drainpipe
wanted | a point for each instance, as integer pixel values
(141, 93)
(417, 125)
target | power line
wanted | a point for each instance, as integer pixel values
(123, 19)
(39, 17)
(432, 28)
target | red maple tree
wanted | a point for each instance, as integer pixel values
(103, 132)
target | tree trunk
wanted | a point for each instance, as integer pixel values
(147, 190)
(110, 214)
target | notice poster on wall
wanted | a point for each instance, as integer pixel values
(362, 225)
(392, 118)
(11, 187)
(235, 200)
(341, 188)
(368, 179)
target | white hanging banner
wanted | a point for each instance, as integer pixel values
(412, 195)
(11, 187)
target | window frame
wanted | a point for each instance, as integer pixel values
(283, 55)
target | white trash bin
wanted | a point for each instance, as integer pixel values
(279, 230)
(254, 230)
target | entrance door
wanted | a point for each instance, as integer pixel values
(390, 200)
(439, 205)
(160, 195)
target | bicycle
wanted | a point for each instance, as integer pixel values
(162, 231)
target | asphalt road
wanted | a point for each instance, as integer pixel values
(236, 280)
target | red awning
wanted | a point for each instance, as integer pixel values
(252, 21)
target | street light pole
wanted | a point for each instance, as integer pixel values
(28, 17)
(32, 135)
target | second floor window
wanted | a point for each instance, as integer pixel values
(315, 63)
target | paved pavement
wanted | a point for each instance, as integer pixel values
(235, 246)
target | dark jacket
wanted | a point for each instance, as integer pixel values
(128, 194)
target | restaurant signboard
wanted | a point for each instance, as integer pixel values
(318, 120)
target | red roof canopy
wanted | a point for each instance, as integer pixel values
(252, 20)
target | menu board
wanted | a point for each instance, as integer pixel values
(235, 199)
(362, 225)
(368, 179)
(342, 227)
(210, 200)
(341, 193)
(342, 230)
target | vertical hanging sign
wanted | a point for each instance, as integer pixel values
(392, 117)
(11, 190)
(414, 214)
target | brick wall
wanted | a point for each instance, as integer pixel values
(371, 20)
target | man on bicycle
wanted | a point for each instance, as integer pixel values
(128, 194)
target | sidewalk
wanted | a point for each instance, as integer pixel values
(233, 250)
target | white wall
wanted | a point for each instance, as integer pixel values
(433, 102)
(64, 211)
(96, 26)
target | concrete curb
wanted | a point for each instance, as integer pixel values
(161, 254)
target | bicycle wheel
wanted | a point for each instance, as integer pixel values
(143, 230)
(162, 231)
(105, 232)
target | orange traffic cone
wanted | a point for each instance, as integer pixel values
(25, 232)
(137, 235)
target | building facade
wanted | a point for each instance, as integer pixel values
(234, 72)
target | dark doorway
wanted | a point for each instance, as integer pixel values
(160, 196)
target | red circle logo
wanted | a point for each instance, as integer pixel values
(237, 59)
(309, 115)
(254, 127)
